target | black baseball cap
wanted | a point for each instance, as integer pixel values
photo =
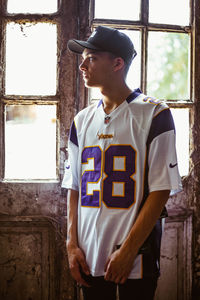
(106, 39)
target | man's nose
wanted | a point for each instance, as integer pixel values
(83, 65)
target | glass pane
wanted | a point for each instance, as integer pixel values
(31, 59)
(133, 76)
(181, 120)
(168, 65)
(32, 6)
(169, 12)
(30, 142)
(112, 9)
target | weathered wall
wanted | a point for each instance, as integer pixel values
(194, 194)
(33, 262)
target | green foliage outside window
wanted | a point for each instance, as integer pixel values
(168, 65)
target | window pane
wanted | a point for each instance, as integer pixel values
(32, 6)
(169, 12)
(31, 59)
(133, 77)
(168, 60)
(112, 9)
(181, 120)
(30, 142)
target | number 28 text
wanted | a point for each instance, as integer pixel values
(105, 163)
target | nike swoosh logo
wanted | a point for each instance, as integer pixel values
(172, 166)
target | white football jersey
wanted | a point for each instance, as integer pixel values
(114, 162)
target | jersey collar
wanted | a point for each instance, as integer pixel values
(133, 95)
(129, 99)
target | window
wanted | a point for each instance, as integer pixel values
(162, 67)
(29, 91)
(33, 6)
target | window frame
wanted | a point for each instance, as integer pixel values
(54, 18)
(144, 26)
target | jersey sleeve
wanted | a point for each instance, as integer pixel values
(162, 158)
(70, 179)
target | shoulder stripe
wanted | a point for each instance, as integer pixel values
(167, 108)
(73, 134)
(133, 95)
(161, 123)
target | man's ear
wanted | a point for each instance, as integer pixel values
(118, 63)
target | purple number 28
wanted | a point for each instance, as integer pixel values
(105, 164)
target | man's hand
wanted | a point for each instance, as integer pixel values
(77, 264)
(76, 257)
(120, 263)
(119, 266)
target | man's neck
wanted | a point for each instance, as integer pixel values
(112, 99)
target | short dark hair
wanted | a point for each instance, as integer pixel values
(127, 64)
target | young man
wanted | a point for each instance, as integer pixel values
(122, 166)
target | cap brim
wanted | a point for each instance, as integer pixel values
(79, 46)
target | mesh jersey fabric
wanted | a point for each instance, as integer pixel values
(115, 165)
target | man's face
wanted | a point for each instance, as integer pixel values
(97, 68)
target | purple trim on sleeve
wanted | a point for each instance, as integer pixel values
(161, 123)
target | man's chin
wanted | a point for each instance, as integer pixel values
(90, 84)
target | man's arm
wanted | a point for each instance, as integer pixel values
(76, 257)
(120, 263)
